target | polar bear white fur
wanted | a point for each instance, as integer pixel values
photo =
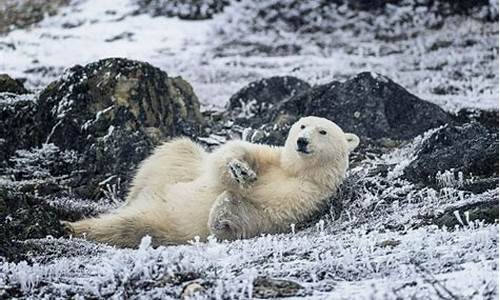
(240, 190)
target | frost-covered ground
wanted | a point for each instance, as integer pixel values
(359, 256)
(421, 263)
(377, 249)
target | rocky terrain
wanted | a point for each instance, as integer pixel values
(417, 215)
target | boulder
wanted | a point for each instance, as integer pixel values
(10, 85)
(90, 102)
(17, 124)
(111, 113)
(255, 101)
(370, 105)
(469, 149)
(374, 107)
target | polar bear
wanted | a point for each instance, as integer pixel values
(239, 190)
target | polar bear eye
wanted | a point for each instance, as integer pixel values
(302, 126)
(323, 132)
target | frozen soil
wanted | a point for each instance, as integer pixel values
(385, 244)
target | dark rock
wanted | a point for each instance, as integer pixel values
(273, 288)
(113, 112)
(480, 185)
(184, 9)
(18, 129)
(258, 98)
(469, 149)
(10, 85)
(487, 118)
(120, 93)
(372, 106)
(486, 211)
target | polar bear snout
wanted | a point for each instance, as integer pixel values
(303, 145)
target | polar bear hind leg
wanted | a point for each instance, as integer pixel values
(123, 228)
(179, 160)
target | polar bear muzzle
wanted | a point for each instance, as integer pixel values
(303, 145)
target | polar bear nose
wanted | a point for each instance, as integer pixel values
(302, 143)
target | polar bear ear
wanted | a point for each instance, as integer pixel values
(352, 141)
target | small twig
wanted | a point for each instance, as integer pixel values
(434, 282)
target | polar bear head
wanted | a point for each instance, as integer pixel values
(314, 141)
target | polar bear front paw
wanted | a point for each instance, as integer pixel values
(241, 172)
